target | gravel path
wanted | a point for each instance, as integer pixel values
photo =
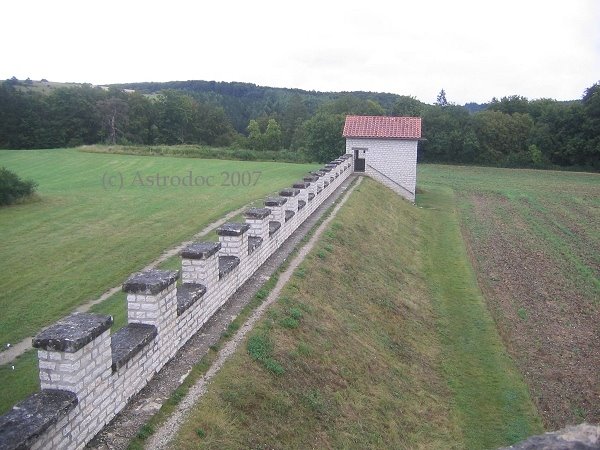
(16, 350)
(118, 433)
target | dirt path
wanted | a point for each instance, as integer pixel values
(16, 350)
(165, 434)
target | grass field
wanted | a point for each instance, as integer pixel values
(97, 220)
(381, 340)
(534, 240)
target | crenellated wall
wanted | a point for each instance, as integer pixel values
(88, 375)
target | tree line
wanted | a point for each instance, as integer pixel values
(512, 131)
(72, 116)
(516, 132)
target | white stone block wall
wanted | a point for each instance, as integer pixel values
(259, 228)
(152, 309)
(203, 270)
(389, 161)
(303, 196)
(235, 246)
(277, 213)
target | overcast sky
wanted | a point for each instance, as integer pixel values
(475, 50)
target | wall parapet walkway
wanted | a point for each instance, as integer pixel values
(87, 375)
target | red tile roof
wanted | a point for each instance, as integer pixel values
(382, 127)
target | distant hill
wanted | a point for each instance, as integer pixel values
(42, 86)
(475, 107)
(245, 101)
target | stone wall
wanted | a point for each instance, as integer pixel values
(392, 162)
(88, 375)
(576, 437)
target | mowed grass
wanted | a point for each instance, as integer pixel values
(534, 240)
(380, 340)
(97, 220)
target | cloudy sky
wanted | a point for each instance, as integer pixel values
(475, 50)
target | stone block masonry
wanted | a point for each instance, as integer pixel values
(392, 162)
(88, 375)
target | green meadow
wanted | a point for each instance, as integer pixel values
(97, 218)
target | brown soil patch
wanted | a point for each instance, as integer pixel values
(550, 326)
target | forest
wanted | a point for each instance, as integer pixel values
(510, 132)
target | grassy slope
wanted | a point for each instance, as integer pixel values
(82, 239)
(535, 244)
(44, 87)
(381, 340)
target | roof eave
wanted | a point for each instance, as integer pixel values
(385, 137)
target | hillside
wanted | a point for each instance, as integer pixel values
(380, 340)
(40, 86)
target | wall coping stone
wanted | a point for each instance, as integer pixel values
(188, 294)
(233, 229)
(253, 243)
(227, 264)
(150, 282)
(275, 201)
(73, 332)
(301, 184)
(129, 341)
(289, 192)
(29, 419)
(257, 213)
(584, 436)
(200, 250)
(273, 227)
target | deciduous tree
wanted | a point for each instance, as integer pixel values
(272, 136)
(114, 113)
